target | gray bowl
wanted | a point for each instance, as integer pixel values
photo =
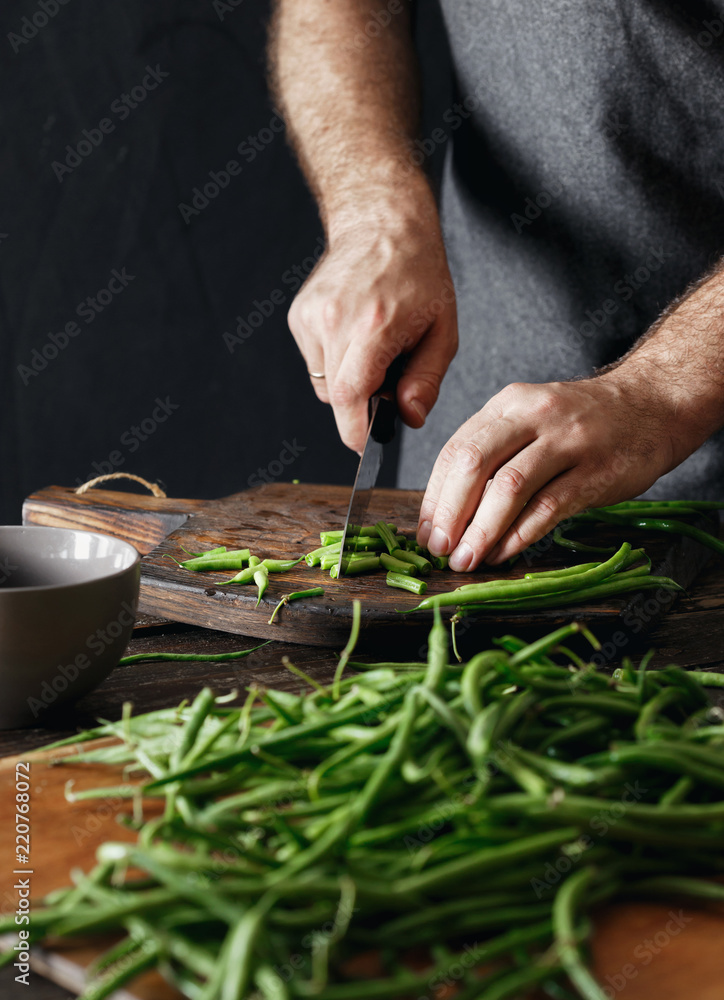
(67, 607)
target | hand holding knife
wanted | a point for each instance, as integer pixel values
(382, 421)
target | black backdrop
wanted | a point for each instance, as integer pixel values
(144, 282)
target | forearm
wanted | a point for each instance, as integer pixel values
(351, 109)
(350, 99)
(679, 365)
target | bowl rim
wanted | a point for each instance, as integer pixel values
(75, 583)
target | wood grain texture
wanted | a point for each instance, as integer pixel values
(64, 836)
(143, 521)
(283, 520)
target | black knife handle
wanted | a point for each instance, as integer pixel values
(383, 429)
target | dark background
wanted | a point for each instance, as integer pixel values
(229, 415)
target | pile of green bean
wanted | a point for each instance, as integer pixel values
(646, 515)
(251, 569)
(626, 570)
(380, 546)
(377, 547)
(476, 811)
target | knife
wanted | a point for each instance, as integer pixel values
(381, 430)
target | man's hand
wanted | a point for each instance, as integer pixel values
(536, 454)
(349, 90)
(382, 289)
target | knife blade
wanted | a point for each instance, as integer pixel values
(382, 414)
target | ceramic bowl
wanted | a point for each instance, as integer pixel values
(67, 607)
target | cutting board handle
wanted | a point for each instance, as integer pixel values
(142, 520)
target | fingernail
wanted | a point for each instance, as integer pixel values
(423, 533)
(462, 558)
(439, 542)
(419, 409)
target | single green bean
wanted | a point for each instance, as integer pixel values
(423, 565)
(203, 555)
(399, 566)
(243, 576)
(232, 559)
(125, 969)
(239, 957)
(281, 565)
(707, 678)
(673, 885)
(404, 581)
(387, 536)
(188, 657)
(348, 649)
(567, 900)
(270, 983)
(475, 673)
(697, 505)
(261, 579)
(483, 861)
(200, 709)
(367, 531)
(564, 571)
(295, 596)
(675, 795)
(652, 509)
(653, 707)
(353, 567)
(575, 546)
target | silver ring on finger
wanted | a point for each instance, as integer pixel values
(316, 374)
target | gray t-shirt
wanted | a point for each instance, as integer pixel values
(583, 191)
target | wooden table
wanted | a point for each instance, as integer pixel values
(692, 634)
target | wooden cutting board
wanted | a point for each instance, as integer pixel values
(640, 951)
(283, 520)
